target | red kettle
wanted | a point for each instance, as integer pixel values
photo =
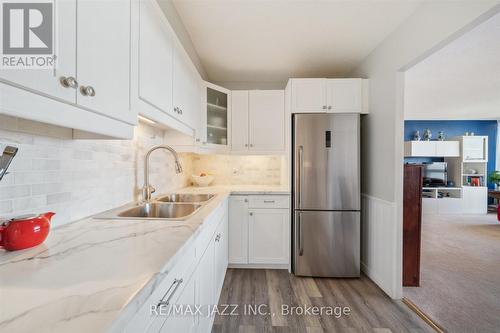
(24, 231)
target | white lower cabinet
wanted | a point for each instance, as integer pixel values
(195, 279)
(259, 230)
(475, 200)
(206, 293)
(180, 322)
(238, 230)
(268, 236)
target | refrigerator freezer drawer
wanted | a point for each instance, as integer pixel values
(327, 243)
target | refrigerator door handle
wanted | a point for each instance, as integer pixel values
(299, 236)
(299, 176)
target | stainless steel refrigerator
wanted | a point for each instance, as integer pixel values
(326, 195)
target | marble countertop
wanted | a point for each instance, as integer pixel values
(92, 275)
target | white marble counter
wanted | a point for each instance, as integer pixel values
(92, 275)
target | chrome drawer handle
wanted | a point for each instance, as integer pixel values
(176, 283)
(87, 91)
(68, 82)
(268, 201)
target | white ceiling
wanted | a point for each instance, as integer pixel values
(272, 40)
(460, 81)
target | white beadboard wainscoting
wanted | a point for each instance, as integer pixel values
(380, 252)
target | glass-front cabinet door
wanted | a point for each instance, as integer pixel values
(218, 116)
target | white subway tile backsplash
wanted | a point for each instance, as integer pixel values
(5, 207)
(16, 191)
(79, 178)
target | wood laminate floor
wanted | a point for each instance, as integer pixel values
(370, 309)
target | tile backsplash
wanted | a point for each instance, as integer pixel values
(78, 178)
(240, 170)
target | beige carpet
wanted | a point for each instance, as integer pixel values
(460, 273)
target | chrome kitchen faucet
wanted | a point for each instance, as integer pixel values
(5, 159)
(147, 190)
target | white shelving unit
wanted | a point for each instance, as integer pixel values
(469, 171)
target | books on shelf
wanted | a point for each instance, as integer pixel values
(476, 181)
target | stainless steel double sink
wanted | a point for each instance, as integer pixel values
(175, 207)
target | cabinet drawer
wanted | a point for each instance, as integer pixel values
(269, 201)
(169, 288)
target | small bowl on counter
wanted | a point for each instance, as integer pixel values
(202, 181)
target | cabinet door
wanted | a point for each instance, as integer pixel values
(238, 230)
(447, 148)
(268, 235)
(239, 120)
(221, 258)
(206, 291)
(46, 81)
(422, 148)
(475, 200)
(344, 95)
(308, 95)
(267, 120)
(155, 58)
(178, 322)
(103, 44)
(475, 148)
(185, 88)
(218, 110)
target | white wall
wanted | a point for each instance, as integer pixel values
(460, 81)
(432, 25)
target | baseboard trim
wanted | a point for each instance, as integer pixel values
(259, 266)
(423, 315)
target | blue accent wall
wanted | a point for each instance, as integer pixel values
(453, 128)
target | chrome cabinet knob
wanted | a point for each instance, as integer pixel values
(251, 145)
(251, 214)
(329, 107)
(68, 82)
(324, 107)
(87, 91)
(246, 144)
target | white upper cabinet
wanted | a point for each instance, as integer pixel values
(218, 116)
(155, 59)
(432, 149)
(47, 81)
(186, 93)
(329, 95)
(308, 95)
(89, 89)
(258, 121)
(166, 86)
(266, 120)
(103, 66)
(344, 95)
(239, 120)
(474, 148)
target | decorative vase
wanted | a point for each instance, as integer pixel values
(416, 136)
(441, 136)
(427, 134)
